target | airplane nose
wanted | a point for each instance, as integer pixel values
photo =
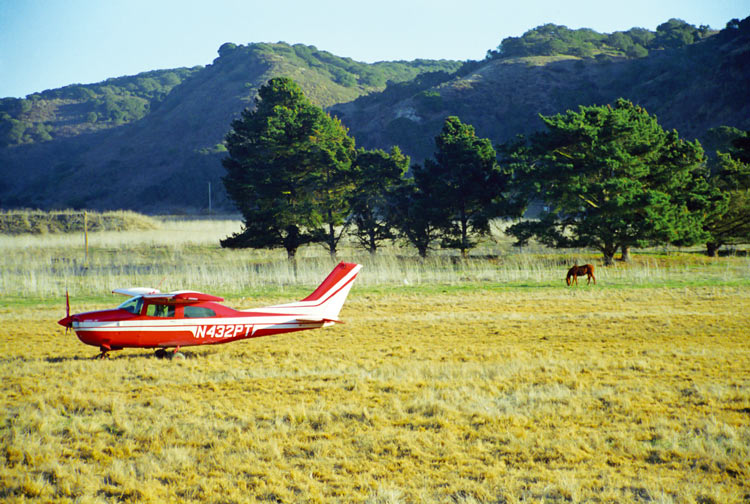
(66, 322)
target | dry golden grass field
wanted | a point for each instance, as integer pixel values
(464, 392)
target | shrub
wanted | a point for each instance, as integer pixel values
(15, 222)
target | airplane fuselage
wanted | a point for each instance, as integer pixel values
(150, 319)
(115, 329)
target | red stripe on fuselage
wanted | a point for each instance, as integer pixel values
(185, 335)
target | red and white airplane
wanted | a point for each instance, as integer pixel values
(150, 319)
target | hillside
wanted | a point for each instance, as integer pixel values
(691, 88)
(165, 159)
(78, 109)
(163, 148)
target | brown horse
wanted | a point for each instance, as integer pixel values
(576, 271)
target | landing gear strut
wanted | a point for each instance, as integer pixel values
(104, 353)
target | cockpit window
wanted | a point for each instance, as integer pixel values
(160, 310)
(132, 305)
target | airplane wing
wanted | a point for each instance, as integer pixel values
(195, 296)
(135, 291)
(183, 297)
(178, 297)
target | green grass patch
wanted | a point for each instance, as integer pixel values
(185, 254)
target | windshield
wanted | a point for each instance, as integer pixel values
(132, 305)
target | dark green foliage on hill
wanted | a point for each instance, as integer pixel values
(396, 91)
(551, 40)
(343, 71)
(73, 109)
(152, 86)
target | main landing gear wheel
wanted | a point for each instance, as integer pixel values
(163, 353)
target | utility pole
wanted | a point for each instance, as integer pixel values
(86, 235)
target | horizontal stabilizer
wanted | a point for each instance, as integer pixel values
(318, 320)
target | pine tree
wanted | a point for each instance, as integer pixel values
(287, 171)
(730, 223)
(612, 179)
(376, 175)
(468, 182)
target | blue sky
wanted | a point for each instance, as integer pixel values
(46, 44)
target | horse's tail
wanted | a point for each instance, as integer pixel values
(591, 272)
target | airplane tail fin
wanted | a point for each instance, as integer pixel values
(332, 292)
(325, 303)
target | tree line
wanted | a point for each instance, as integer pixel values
(551, 39)
(607, 177)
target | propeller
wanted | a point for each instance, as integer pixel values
(67, 322)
